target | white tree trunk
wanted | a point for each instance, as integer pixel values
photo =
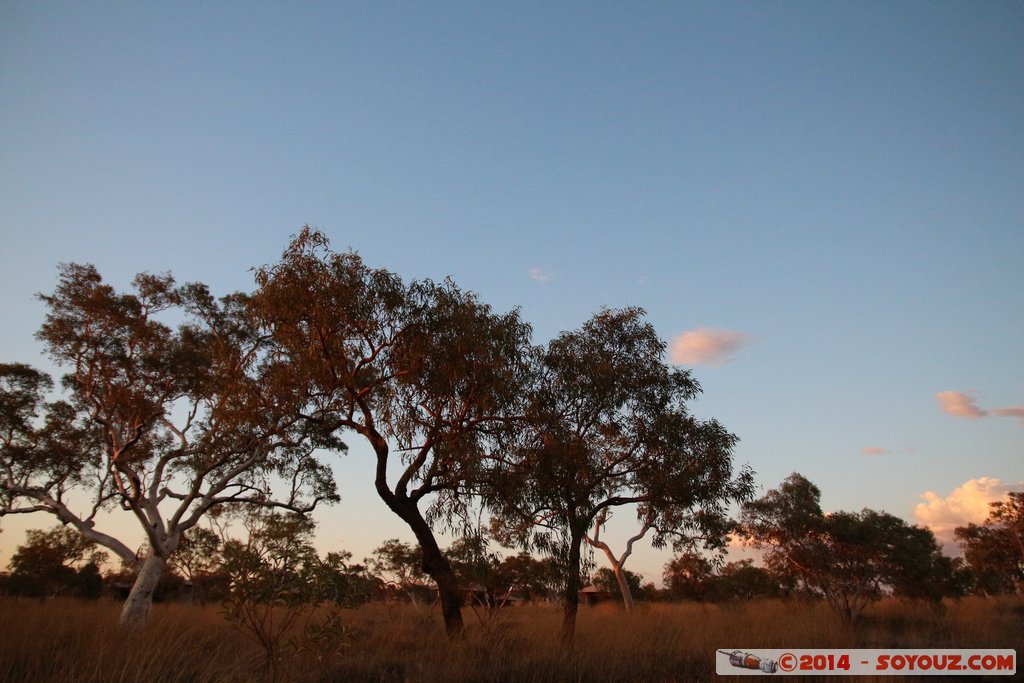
(137, 607)
(620, 575)
(616, 563)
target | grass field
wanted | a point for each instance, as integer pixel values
(66, 641)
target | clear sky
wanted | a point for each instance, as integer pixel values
(820, 205)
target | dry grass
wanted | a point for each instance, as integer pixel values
(75, 642)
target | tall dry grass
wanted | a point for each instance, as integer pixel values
(76, 642)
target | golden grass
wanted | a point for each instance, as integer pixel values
(76, 642)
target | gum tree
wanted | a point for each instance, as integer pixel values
(994, 551)
(399, 567)
(57, 560)
(851, 559)
(608, 428)
(155, 424)
(423, 372)
(282, 595)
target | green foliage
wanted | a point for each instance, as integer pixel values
(994, 551)
(424, 365)
(398, 567)
(166, 424)
(88, 582)
(56, 562)
(851, 559)
(197, 559)
(742, 580)
(687, 576)
(282, 595)
(608, 427)
(347, 584)
(604, 579)
(495, 582)
(43, 445)
(423, 371)
(277, 564)
(479, 568)
(531, 578)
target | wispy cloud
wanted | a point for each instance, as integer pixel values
(538, 275)
(705, 346)
(1012, 411)
(959, 404)
(967, 503)
(884, 450)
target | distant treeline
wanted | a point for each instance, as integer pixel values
(822, 556)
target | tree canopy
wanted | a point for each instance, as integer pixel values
(994, 551)
(608, 427)
(163, 424)
(59, 561)
(851, 559)
(422, 371)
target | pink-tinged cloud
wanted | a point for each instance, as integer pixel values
(1011, 411)
(875, 450)
(705, 346)
(968, 503)
(959, 404)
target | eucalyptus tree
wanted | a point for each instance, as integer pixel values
(423, 371)
(54, 561)
(689, 575)
(282, 595)
(994, 551)
(608, 429)
(398, 567)
(156, 424)
(851, 559)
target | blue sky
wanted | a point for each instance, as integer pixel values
(843, 184)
